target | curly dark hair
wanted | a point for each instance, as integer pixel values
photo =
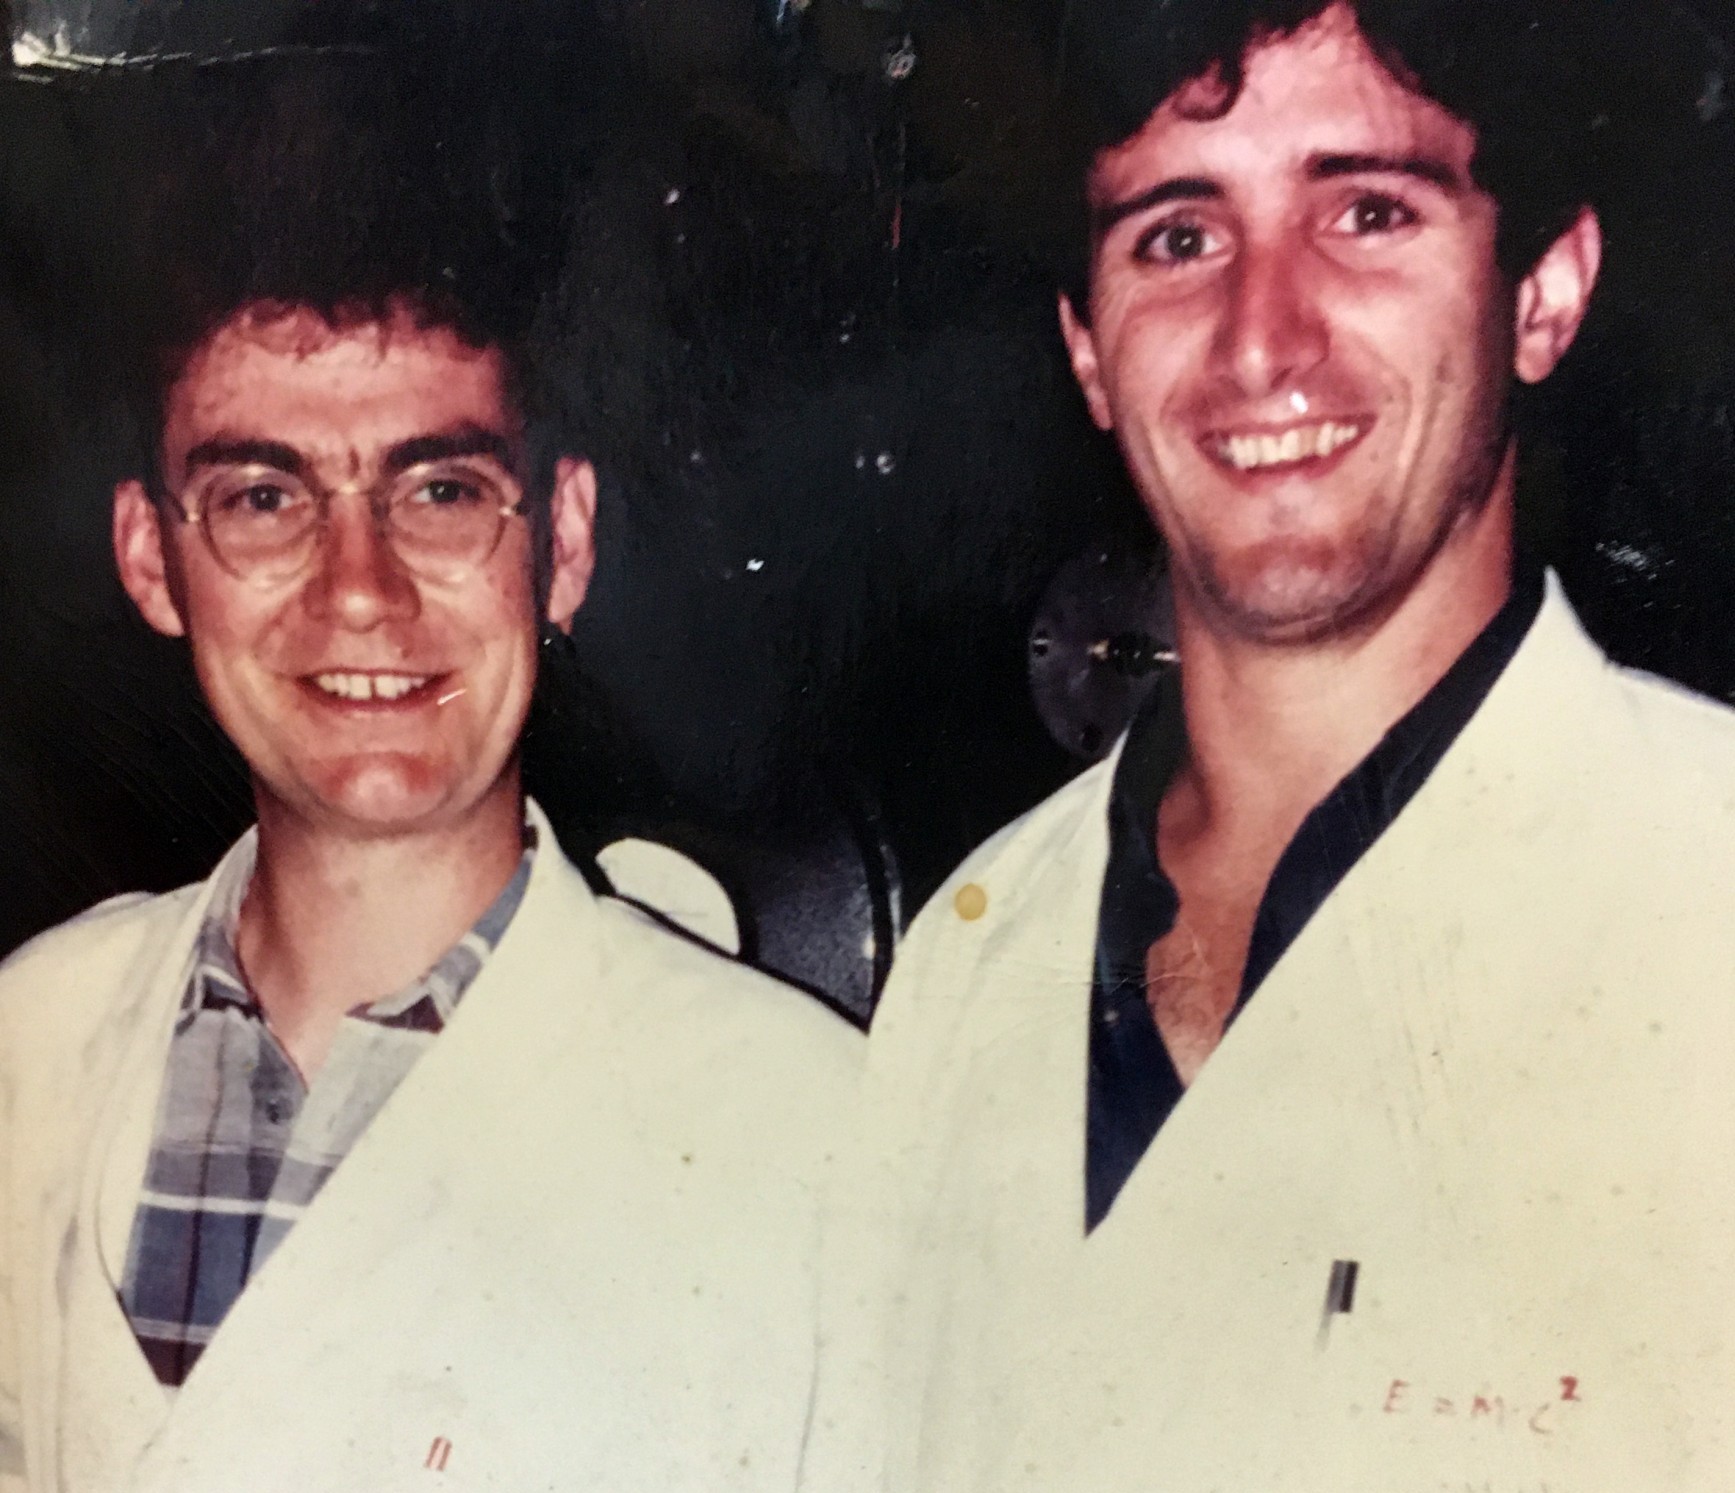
(1533, 78)
(342, 185)
(361, 187)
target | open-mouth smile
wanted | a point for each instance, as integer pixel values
(1291, 446)
(372, 687)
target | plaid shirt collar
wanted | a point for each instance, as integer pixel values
(426, 1004)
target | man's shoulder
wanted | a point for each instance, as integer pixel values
(1598, 705)
(650, 959)
(103, 938)
(1675, 720)
(1662, 758)
(1023, 899)
(81, 974)
(1030, 839)
(767, 1065)
(1056, 839)
(650, 963)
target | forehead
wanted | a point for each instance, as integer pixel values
(334, 392)
(1317, 92)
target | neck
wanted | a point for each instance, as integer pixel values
(1271, 729)
(332, 921)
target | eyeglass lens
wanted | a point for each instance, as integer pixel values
(265, 523)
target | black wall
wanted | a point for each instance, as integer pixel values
(846, 452)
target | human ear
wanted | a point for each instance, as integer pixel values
(1553, 297)
(572, 532)
(1081, 348)
(141, 558)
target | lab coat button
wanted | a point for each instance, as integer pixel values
(971, 902)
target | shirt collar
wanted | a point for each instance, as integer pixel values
(1132, 1083)
(1341, 826)
(425, 1004)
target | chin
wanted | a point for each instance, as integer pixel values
(1291, 591)
(394, 793)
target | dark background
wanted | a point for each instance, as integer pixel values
(845, 456)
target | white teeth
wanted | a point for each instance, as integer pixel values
(370, 686)
(1298, 443)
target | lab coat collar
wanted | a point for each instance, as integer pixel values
(106, 1382)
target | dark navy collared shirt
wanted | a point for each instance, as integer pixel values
(1133, 1085)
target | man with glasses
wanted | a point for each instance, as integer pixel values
(391, 1156)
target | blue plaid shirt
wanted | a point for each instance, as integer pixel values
(242, 1146)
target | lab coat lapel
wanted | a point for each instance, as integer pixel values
(454, 1112)
(1345, 1036)
(96, 1381)
(1342, 1118)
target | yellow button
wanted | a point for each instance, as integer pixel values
(971, 902)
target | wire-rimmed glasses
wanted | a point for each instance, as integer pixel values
(263, 524)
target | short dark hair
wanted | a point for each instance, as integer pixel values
(362, 188)
(339, 185)
(1531, 77)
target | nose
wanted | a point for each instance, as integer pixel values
(358, 581)
(1274, 331)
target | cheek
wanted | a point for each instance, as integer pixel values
(1158, 340)
(1453, 317)
(224, 624)
(1153, 359)
(519, 668)
(504, 622)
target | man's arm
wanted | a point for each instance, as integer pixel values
(99, 949)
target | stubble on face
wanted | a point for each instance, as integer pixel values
(1297, 591)
(1321, 299)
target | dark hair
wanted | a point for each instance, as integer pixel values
(343, 185)
(360, 187)
(1532, 77)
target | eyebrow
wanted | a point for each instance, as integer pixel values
(470, 441)
(1178, 189)
(1321, 168)
(1423, 168)
(231, 452)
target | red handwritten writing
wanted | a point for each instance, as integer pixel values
(438, 1455)
(1487, 1407)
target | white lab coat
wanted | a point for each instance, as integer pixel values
(575, 1250)
(1496, 1070)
